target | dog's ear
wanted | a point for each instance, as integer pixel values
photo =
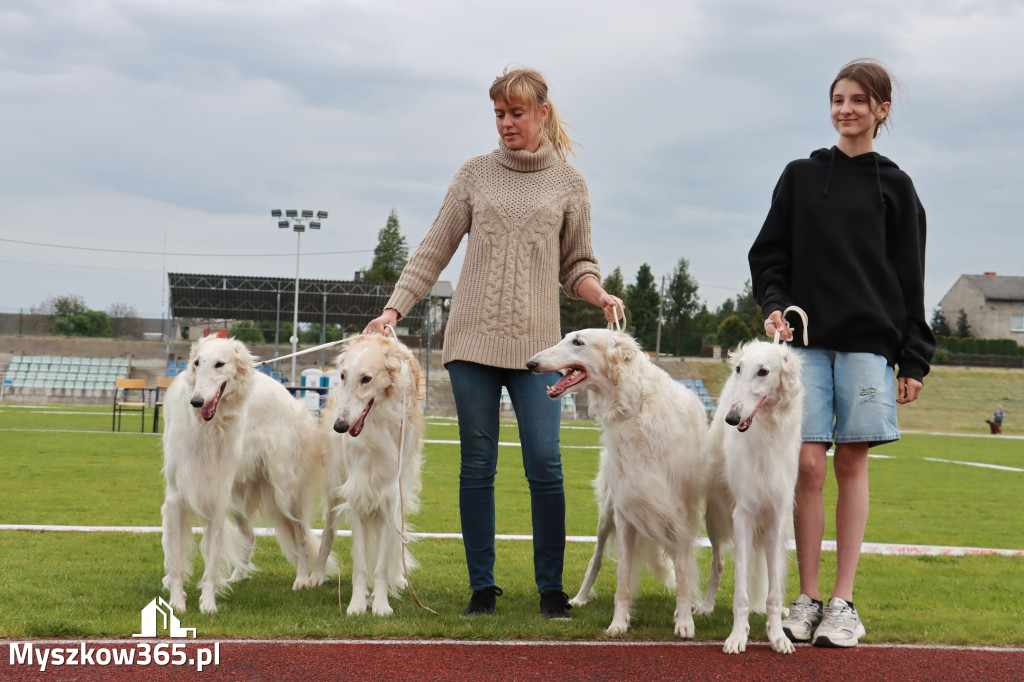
(623, 360)
(243, 358)
(790, 369)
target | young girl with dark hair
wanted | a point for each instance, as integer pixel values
(845, 240)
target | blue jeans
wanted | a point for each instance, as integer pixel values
(848, 398)
(477, 390)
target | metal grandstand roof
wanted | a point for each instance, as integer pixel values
(232, 297)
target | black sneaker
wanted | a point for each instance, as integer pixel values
(555, 605)
(482, 601)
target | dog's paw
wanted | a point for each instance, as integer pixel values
(207, 604)
(777, 638)
(317, 579)
(782, 645)
(577, 601)
(301, 583)
(617, 628)
(703, 609)
(381, 607)
(177, 602)
(357, 605)
(735, 644)
(685, 628)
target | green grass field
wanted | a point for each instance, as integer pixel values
(61, 465)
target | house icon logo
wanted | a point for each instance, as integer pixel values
(158, 615)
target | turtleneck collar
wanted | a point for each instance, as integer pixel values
(524, 161)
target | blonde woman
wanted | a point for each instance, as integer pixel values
(526, 214)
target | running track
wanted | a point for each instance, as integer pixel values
(495, 661)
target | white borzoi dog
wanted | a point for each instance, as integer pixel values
(235, 441)
(374, 472)
(654, 461)
(754, 441)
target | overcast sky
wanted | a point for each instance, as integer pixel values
(149, 136)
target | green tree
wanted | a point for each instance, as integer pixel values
(575, 313)
(748, 309)
(248, 331)
(391, 254)
(614, 285)
(311, 333)
(733, 331)
(642, 299)
(963, 329)
(681, 302)
(70, 316)
(940, 325)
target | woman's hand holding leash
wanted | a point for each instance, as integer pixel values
(380, 325)
(613, 308)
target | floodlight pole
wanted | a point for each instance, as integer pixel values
(295, 317)
(298, 224)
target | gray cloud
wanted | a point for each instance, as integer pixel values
(176, 127)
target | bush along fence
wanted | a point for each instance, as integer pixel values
(971, 352)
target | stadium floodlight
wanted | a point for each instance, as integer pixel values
(299, 228)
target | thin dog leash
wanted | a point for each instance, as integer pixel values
(803, 318)
(400, 521)
(616, 325)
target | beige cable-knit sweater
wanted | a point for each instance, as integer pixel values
(528, 219)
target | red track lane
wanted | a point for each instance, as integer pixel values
(446, 660)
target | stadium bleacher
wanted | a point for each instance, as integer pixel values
(51, 373)
(698, 387)
(176, 367)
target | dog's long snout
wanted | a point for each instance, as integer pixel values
(531, 365)
(732, 418)
(341, 425)
(196, 401)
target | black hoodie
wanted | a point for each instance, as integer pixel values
(844, 240)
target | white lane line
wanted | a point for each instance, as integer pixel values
(884, 549)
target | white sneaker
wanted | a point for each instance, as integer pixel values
(804, 616)
(841, 626)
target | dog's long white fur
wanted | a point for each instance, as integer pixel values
(753, 476)
(652, 468)
(365, 469)
(260, 450)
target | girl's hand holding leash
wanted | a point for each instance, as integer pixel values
(777, 323)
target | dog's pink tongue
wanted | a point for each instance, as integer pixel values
(210, 408)
(357, 428)
(570, 378)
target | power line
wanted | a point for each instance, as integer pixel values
(191, 254)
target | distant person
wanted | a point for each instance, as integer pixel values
(526, 213)
(995, 424)
(845, 240)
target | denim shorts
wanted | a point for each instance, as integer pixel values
(848, 398)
